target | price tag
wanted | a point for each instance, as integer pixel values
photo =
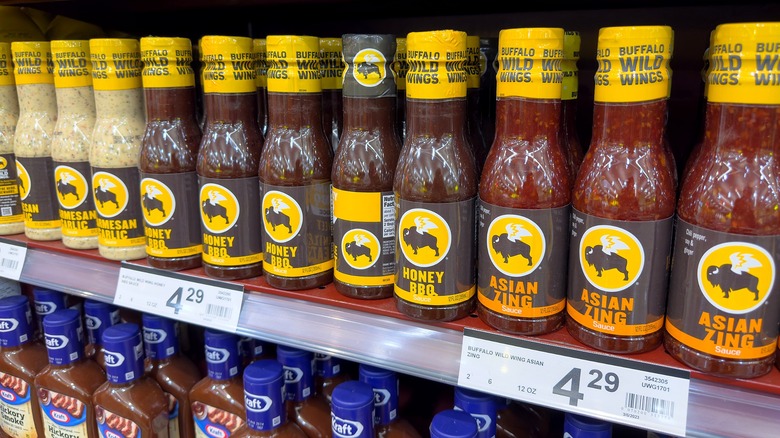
(642, 395)
(200, 301)
(12, 255)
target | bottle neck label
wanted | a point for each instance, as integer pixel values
(72, 66)
(6, 65)
(33, 63)
(633, 71)
(119, 220)
(116, 66)
(293, 64)
(63, 415)
(169, 199)
(745, 69)
(77, 205)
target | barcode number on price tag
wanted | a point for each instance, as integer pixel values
(638, 394)
(12, 255)
(201, 301)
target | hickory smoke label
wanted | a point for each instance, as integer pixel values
(10, 202)
(521, 256)
(63, 416)
(16, 406)
(118, 208)
(618, 274)
(170, 208)
(297, 230)
(35, 188)
(111, 425)
(723, 297)
(435, 252)
(229, 210)
(77, 205)
(211, 422)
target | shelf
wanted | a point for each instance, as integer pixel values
(374, 332)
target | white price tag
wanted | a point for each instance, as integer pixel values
(12, 255)
(200, 301)
(642, 395)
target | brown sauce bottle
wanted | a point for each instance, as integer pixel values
(570, 139)
(435, 184)
(98, 316)
(169, 153)
(295, 169)
(304, 406)
(363, 171)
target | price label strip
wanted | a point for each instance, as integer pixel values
(12, 256)
(201, 301)
(642, 395)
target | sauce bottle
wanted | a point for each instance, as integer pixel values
(352, 410)
(723, 296)
(483, 407)
(387, 422)
(129, 403)
(11, 218)
(623, 199)
(32, 141)
(473, 76)
(295, 169)
(570, 139)
(98, 316)
(332, 67)
(435, 184)
(452, 423)
(218, 399)
(71, 141)
(329, 372)
(116, 147)
(525, 196)
(66, 385)
(400, 68)
(304, 406)
(169, 153)
(175, 373)
(261, 83)
(266, 415)
(228, 159)
(21, 360)
(363, 170)
(47, 301)
(580, 426)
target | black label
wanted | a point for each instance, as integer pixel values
(170, 208)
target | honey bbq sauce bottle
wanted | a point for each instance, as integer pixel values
(266, 415)
(387, 421)
(295, 169)
(98, 316)
(169, 154)
(524, 191)
(175, 373)
(363, 171)
(352, 410)
(21, 360)
(332, 70)
(129, 403)
(65, 386)
(623, 199)
(218, 399)
(724, 301)
(11, 217)
(570, 139)
(304, 406)
(435, 184)
(228, 160)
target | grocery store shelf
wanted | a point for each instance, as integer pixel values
(375, 333)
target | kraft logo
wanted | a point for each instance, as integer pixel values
(92, 322)
(257, 403)
(154, 336)
(216, 431)
(8, 324)
(44, 307)
(59, 416)
(7, 395)
(112, 434)
(292, 375)
(113, 359)
(345, 428)
(381, 396)
(56, 342)
(216, 355)
(483, 422)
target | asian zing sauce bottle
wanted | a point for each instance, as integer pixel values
(623, 199)
(71, 141)
(352, 410)
(474, 74)
(332, 66)
(228, 159)
(32, 141)
(400, 68)
(218, 399)
(169, 154)
(304, 406)
(175, 373)
(98, 316)
(363, 170)
(724, 301)
(129, 403)
(435, 184)
(66, 385)
(387, 421)
(570, 139)
(261, 83)
(295, 169)
(524, 191)
(11, 218)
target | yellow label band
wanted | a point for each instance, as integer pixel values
(6, 65)
(32, 62)
(437, 64)
(229, 64)
(435, 300)
(116, 64)
(357, 206)
(473, 61)
(530, 63)
(400, 65)
(293, 64)
(72, 64)
(259, 47)
(363, 281)
(332, 63)
(113, 242)
(167, 62)
(613, 328)
(175, 252)
(291, 272)
(521, 309)
(571, 53)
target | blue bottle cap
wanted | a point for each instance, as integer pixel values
(264, 395)
(481, 406)
(161, 339)
(61, 331)
(47, 301)
(123, 351)
(251, 348)
(385, 385)
(222, 359)
(98, 317)
(352, 410)
(451, 423)
(15, 319)
(298, 371)
(581, 426)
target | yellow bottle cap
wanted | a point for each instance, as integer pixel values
(229, 64)
(332, 63)
(259, 47)
(116, 64)
(473, 64)
(571, 53)
(32, 62)
(6, 65)
(437, 64)
(530, 62)
(400, 66)
(167, 62)
(293, 64)
(72, 65)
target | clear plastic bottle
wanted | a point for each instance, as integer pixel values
(304, 406)
(570, 138)
(98, 316)
(352, 410)
(332, 67)
(11, 218)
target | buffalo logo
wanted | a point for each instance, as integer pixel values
(611, 258)
(736, 277)
(157, 202)
(219, 208)
(425, 237)
(3, 163)
(72, 188)
(24, 180)
(515, 245)
(370, 67)
(282, 216)
(360, 248)
(111, 194)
